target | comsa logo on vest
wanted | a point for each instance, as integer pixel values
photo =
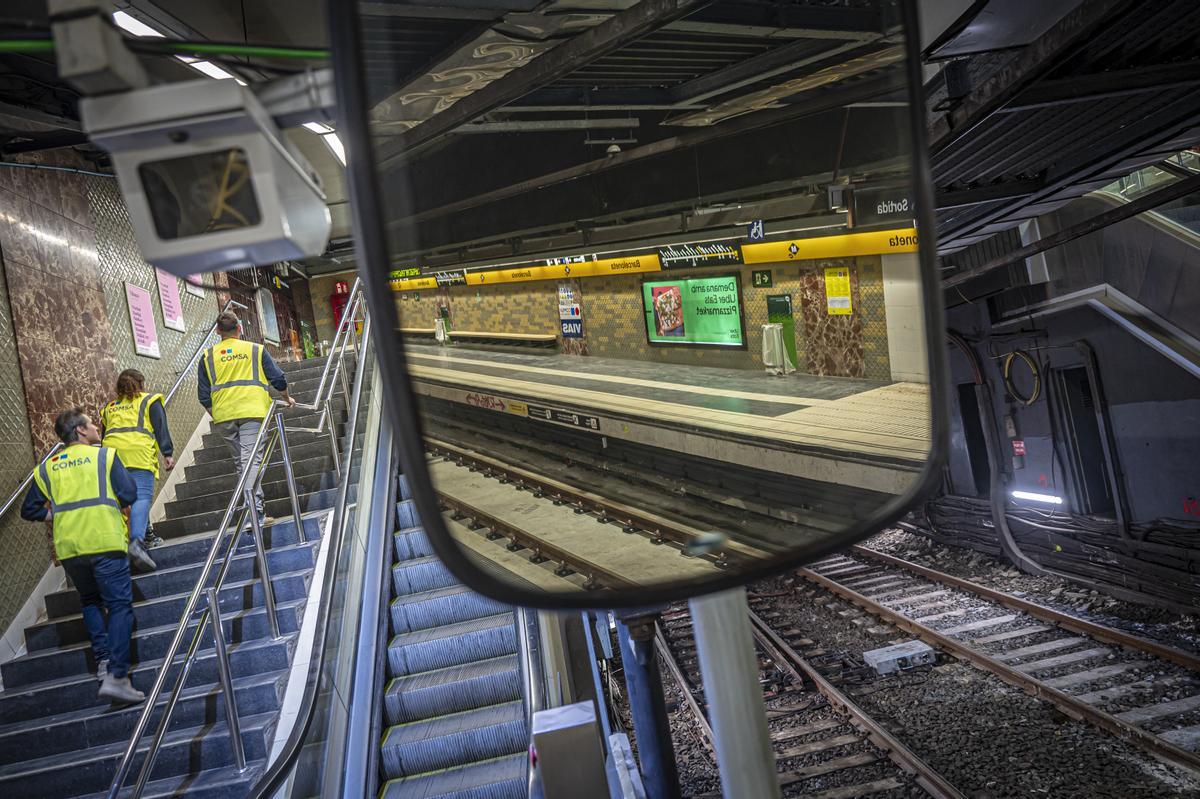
(228, 354)
(60, 461)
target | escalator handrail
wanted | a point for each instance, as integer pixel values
(282, 767)
(183, 375)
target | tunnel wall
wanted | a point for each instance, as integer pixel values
(1153, 406)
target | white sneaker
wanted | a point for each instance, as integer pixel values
(102, 670)
(120, 691)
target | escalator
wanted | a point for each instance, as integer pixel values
(416, 686)
(454, 701)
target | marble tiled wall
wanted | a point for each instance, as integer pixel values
(833, 344)
(64, 336)
(57, 344)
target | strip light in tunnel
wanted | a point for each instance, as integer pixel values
(1034, 497)
(131, 24)
(330, 138)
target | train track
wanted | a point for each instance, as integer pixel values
(826, 745)
(1139, 690)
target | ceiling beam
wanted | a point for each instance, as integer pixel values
(479, 10)
(1004, 190)
(610, 35)
(559, 98)
(1054, 47)
(1146, 202)
(832, 99)
(778, 20)
(774, 62)
(1118, 83)
(549, 125)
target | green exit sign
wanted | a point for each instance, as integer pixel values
(761, 280)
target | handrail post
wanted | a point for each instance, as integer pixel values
(334, 450)
(143, 722)
(223, 670)
(264, 571)
(161, 732)
(286, 455)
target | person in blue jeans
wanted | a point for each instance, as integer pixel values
(135, 425)
(81, 490)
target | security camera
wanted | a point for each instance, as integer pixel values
(210, 181)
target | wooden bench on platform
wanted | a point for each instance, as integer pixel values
(537, 341)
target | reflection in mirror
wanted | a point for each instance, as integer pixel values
(656, 270)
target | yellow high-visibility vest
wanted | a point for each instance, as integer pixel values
(87, 515)
(128, 430)
(238, 380)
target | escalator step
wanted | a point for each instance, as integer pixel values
(502, 778)
(412, 543)
(421, 574)
(443, 606)
(454, 740)
(435, 693)
(452, 644)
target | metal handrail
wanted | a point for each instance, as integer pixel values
(272, 432)
(183, 373)
(279, 770)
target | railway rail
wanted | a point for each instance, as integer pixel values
(821, 737)
(1109, 678)
(1139, 690)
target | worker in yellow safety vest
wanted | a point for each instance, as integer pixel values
(82, 489)
(232, 383)
(135, 425)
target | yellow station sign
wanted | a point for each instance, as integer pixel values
(843, 246)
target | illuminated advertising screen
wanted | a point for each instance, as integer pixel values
(705, 311)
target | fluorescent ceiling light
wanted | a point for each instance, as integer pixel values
(318, 127)
(335, 146)
(210, 69)
(132, 24)
(1034, 497)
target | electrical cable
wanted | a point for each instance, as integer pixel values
(1033, 369)
(175, 47)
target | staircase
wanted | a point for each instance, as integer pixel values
(57, 739)
(458, 728)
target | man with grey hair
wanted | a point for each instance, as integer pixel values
(232, 384)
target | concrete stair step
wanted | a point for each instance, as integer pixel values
(234, 597)
(226, 481)
(146, 645)
(181, 579)
(90, 770)
(202, 519)
(79, 692)
(198, 705)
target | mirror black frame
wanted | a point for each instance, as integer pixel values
(371, 246)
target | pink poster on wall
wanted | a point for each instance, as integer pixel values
(141, 321)
(168, 295)
(195, 284)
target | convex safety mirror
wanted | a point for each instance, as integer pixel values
(653, 283)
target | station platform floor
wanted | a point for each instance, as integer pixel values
(869, 434)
